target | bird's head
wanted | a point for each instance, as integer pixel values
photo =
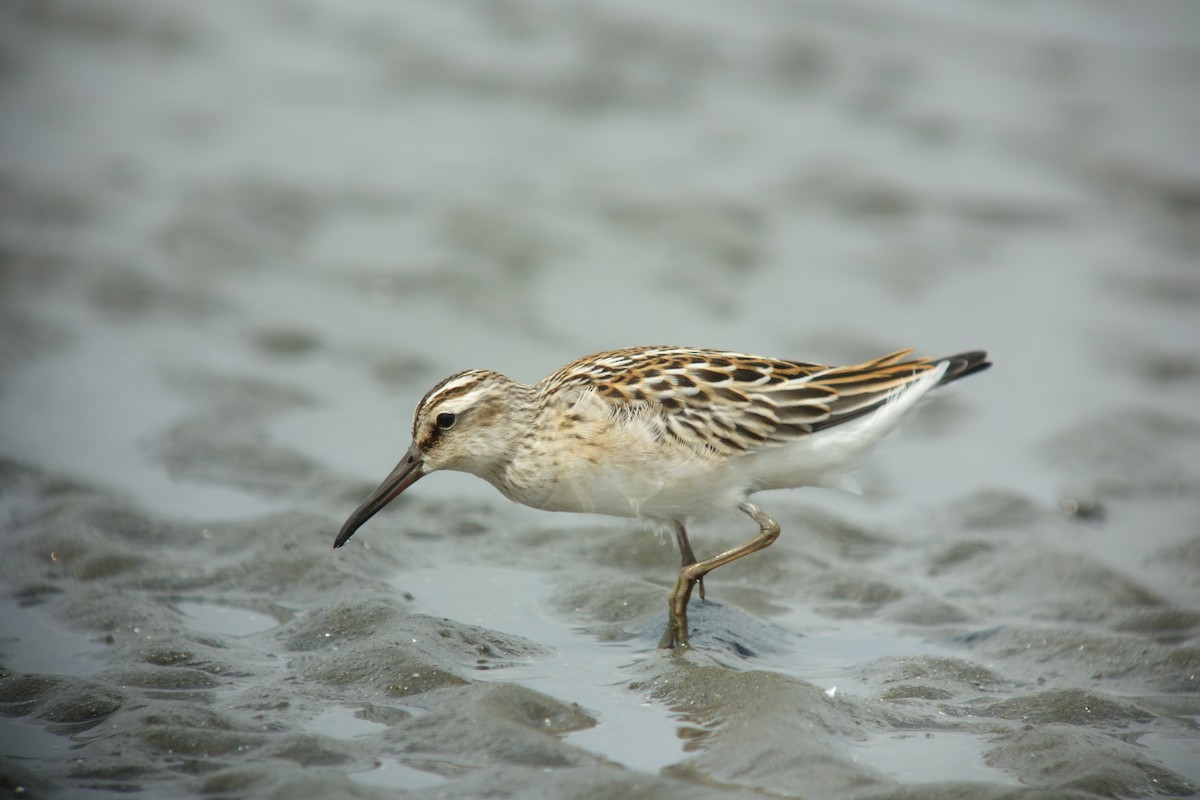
(465, 423)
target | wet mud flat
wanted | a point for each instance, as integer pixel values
(982, 659)
(239, 241)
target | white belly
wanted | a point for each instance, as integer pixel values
(692, 491)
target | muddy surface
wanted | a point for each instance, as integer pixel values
(239, 242)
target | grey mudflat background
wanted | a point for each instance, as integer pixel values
(239, 241)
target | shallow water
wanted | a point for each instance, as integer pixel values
(241, 241)
(630, 730)
(37, 642)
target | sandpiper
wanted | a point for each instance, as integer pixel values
(664, 434)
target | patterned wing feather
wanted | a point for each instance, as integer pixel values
(729, 403)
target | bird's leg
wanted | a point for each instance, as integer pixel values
(685, 552)
(678, 621)
(676, 634)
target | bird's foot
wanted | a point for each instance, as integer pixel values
(670, 639)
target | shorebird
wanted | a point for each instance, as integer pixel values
(664, 434)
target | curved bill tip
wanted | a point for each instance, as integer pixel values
(410, 469)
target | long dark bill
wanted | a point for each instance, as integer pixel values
(410, 470)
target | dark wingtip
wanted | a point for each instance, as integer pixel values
(964, 364)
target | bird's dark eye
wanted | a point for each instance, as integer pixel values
(445, 420)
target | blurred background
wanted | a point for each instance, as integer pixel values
(356, 200)
(239, 241)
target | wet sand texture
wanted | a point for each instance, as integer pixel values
(240, 241)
